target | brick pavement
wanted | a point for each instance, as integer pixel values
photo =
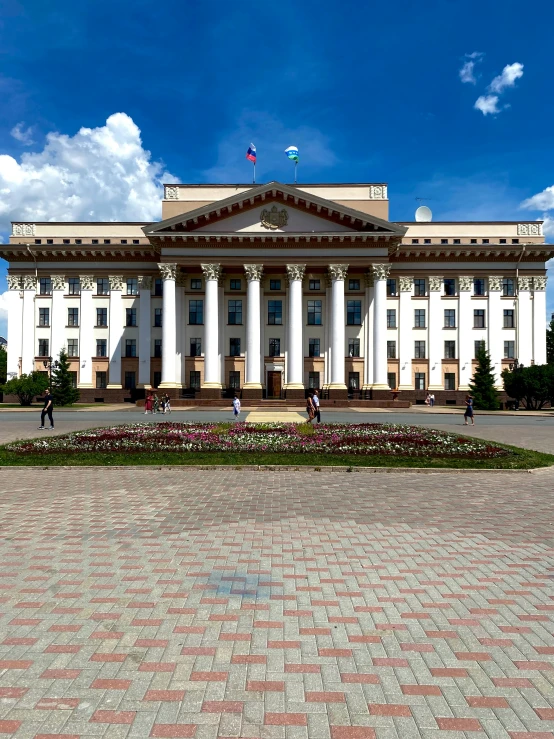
(276, 605)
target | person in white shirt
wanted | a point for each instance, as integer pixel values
(236, 407)
(315, 400)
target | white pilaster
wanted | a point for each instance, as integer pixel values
(180, 282)
(338, 274)
(368, 332)
(212, 367)
(86, 337)
(15, 325)
(465, 332)
(253, 329)
(405, 344)
(524, 321)
(145, 331)
(327, 333)
(115, 333)
(539, 320)
(28, 349)
(494, 324)
(435, 333)
(221, 348)
(58, 319)
(295, 351)
(169, 332)
(380, 274)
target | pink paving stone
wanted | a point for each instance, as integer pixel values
(13, 692)
(108, 657)
(222, 706)
(334, 652)
(285, 719)
(60, 674)
(352, 732)
(209, 676)
(157, 667)
(417, 647)
(199, 651)
(531, 735)
(113, 717)
(360, 677)
(60, 704)
(389, 709)
(390, 662)
(458, 724)
(266, 685)
(173, 731)
(473, 656)
(107, 684)
(512, 682)
(324, 697)
(546, 714)
(248, 659)
(9, 727)
(533, 665)
(481, 701)
(303, 668)
(421, 690)
(15, 664)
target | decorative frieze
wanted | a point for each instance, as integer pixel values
(171, 192)
(495, 283)
(524, 283)
(529, 229)
(116, 282)
(87, 282)
(539, 283)
(211, 271)
(465, 284)
(58, 282)
(168, 271)
(29, 282)
(23, 229)
(296, 271)
(406, 284)
(378, 192)
(338, 271)
(254, 271)
(435, 284)
(380, 271)
(14, 282)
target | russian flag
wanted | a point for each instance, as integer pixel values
(251, 153)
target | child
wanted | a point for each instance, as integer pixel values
(236, 407)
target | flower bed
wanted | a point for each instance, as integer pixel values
(329, 439)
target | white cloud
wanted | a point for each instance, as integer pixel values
(467, 71)
(541, 201)
(487, 104)
(24, 135)
(4, 314)
(507, 78)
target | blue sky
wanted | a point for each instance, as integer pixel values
(367, 91)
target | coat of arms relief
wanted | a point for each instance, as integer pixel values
(274, 218)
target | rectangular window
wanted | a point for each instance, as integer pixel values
(132, 286)
(102, 286)
(130, 316)
(74, 286)
(509, 350)
(234, 347)
(157, 378)
(419, 318)
(314, 284)
(158, 287)
(426, 241)
(508, 289)
(158, 317)
(196, 312)
(391, 350)
(313, 348)
(353, 381)
(478, 319)
(195, 348)
(130, 380)
(101, 317)
(391, 317)
(101, 380)
(515, 241)
(391, 380)
(478, 346)
(275, 312)
(419, 349)
(43, 348)
(479, 286)
(419, 287)
(353, 284)
(73, 347)
(449, 381)
(354, 312)
(509, 319)
(444, 241)
(420, 380)
(73, 379)
(485, 241)
(449, 286)
(415, 241)
(235, 285)
(195, 379)
(450, 350)
(44, 316)
(45, 286)
(130, 347)
(196, 283)
(275, 284)
(157, 348)
(391, 287)
(234, 313)
(450, 318)
(101, 347)
(234, 376)
(314, 312)
(275, 347)
(73, 316)
(353, 347)
(313, 380)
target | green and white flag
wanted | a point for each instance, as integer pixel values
(292, 153)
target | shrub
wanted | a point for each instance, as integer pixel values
(26, 387)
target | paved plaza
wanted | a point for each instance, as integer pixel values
(286, 605)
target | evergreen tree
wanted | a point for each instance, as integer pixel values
(550, 342)
(482, 389)
(62, 384)
(3, 364)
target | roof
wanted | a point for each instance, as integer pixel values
(252, 186)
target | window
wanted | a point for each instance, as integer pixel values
(45, 286)
(391, 287)
(101, 317)
(43, 348)
(73, 316)
(354, 312)
(94, 241)
(450, 318)
(67, 241)
(391, 350)
(157, 378)
(72, 347)
(473, 241)
(449, 286)
(426, 241)
(158, 287)
(479, 286)
(509, 350)
(313, 380)
(158, 317)
(391, 317)
(107, 241)
(353, 380)
(508, 287)
(275, 312)
(509, 319)
(130, 380)
(450, 350)
(234, 376)
(157, 348)
(101, 380)
(456, 241)
(515, 241)
(130, 316)
(49, 241)
(313, 348)
(123, 241)
(234, 313)
(234, 347)
(275, 284)
(314, 312)
(420, 380)
(485, 241)
(478, 346)
(136, 241)
(102, 286)
(130, 347)
(502, 241)
(478, 319)
(101, 347)
(391, 380)
(449, 381)
(419, 318)
(196, 284)
(38, 241)
(415, 241)
(195, 347)
(132, 286)
(195, 379)
(275, 347)
(419, 349)
(74, 286)
(73, 379)
(419, 287)
(353, 347)
(314, 284)
(353, 284)
(196, 312)
(235, 285)
(44, 316)
(444, 241)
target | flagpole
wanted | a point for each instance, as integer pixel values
(295, 168)
(254, 178)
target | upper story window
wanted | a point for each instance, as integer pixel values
(101, 319)
(391, 317)
(49, 241)
(449, 286)
(419, 318)
(314, 312)
(509, 319)
(354, 312)
(353, 347)
(235, 284)
(44, 316)
(196, 312)
(515, 241)
(479, 286)
(79, 241)
(102, 286)
(353, 284)
(95, 241)
(502, 241)
(473, 241)
(275, 284)
(420, 287)
(456, 241)
(234, 313)
(195, 347)
(107, 241)
(157, 317)
(391, 287)
(314, 284)
(415, 241)
(449, 318)
(275, 312)
(313, 347)
(444, 241)
(158, 287)
(132, 286)
(136, 241)
(485, 241)
(45, 286)
(508, 287)
(123, 241)
(478, 319)
(130, 316)
(196, 283)
(426, 241)
(38, 241)
(67, 241)
(73, 316)
(74, 285)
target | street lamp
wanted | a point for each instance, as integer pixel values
(48, 364)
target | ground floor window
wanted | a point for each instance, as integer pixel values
(313, 380)
(234, 380)
(101, 347)
(353, 347)
(449, 381)
(130, 380)
(157, 378)
(73, 347)
(43, 347)
(195, 379)
(391, 380)
(353, 380)
(101, 380)
(509, 350)
(420, 380)
(73, 376)
(275, 347)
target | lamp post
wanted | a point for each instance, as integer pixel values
(48, 364)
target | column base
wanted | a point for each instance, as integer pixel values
(144, 386)
(463, 388)
(384, 386)
(404, 387)
(84, 385)
(252, 391)
(168, 385)
(208, 392)
(295, 392)
(435, 387)
(109, 386)
(336, 392)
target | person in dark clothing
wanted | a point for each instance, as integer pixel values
(47, 410)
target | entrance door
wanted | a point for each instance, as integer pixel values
(274, 384)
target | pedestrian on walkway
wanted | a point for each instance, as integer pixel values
(47, 410)
(236, 407)
(469, 411)
(166, 403)
(156, 402)
(148, 404)
(315, 401)
(310, 408)
(432, 400)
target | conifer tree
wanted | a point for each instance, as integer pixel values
(550, 342)
(62, 383)
(481, 387)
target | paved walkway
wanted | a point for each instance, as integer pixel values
(287, 605)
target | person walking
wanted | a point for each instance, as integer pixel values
(236, 407)
(148, 404)
(47, 410)
(432, 400)
(167, 403)
(427, 399)
(156, 403)
(310, 408)
(315, 401)
(469, 411)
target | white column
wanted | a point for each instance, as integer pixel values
(115, 333)
(221, 322)
(494, 324)
(405, 343)
(465, 332)
(524, 321)
(295, 350)
(169, 332)
(87, 350)
(180, 282)
(253, 328)
(15, 325)
(338, 274)
(368, 332)
(28, 349)
(539, 320)
(58, 319)
(327, 334)
(435, 333)
(380, 274)
(212, 367)
(145, 331)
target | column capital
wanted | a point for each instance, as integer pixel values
(381, 271)
(296, 271)
(180, 279)
(539, 283)
(368, 278)
(406, 284)
(58, 282)
(168, 271)
(338, 271)
(435, 283)
(465, 284)
(525, 283)
(495, 283)
(29, 282)
(211, 271)
(14, 282)
(87, 282)
(254, 272)
(116, 282)
(145, 282)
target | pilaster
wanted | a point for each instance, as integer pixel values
(15, 325)
(295, 351)
(86, 336)
(145, 331)
(253, 386)
(211, 386)
(405, 345)
(169, 332)
(435, 334)
(380, 274)
(115, 333)
(337, 386)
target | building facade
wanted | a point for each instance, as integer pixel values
(272, 290)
